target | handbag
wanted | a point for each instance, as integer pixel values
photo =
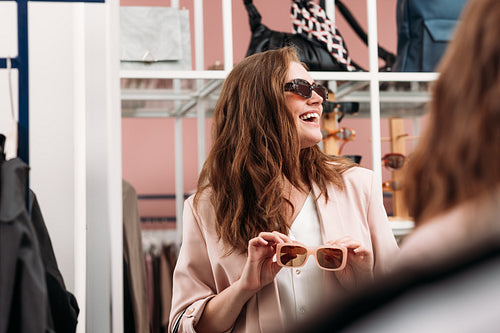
(313, 52)
(319, 44)
(424, 29)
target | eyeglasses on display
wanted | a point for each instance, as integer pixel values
(304, 89)
(393, 161)
(295, 255)
(343, 134)
(392, 185)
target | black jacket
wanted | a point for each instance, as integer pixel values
(33, 297)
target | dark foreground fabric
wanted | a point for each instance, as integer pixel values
(33, 297)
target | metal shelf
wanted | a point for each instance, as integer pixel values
(402, 98)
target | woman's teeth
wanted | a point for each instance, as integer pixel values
(308, 116)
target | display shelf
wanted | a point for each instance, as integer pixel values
(317, 75)
(394, 101)
(371, 89)
(171, 74)
(401, 227)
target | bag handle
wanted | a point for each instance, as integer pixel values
(388, 57)
(253, 15)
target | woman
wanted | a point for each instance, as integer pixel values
(266, 182)
(458, 159)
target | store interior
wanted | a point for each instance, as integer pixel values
(98, 117)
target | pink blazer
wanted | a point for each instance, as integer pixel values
(202, 271)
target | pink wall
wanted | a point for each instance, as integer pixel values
(269, 10)
(148, 147)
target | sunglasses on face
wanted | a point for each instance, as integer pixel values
(393, 161)
(293, 255)
(304, 89)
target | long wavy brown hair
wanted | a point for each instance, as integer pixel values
(255, 147)
(458, 157)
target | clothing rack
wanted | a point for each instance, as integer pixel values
(162, 196)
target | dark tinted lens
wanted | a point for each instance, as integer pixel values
(292, 256)
(343, 134)
(304, 89)
(394, 161)
(330, 258)
(322, 91)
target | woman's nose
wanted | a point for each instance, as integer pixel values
(315, 97)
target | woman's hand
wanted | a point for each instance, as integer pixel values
(359, 266)
(260, 269)
(221, 311)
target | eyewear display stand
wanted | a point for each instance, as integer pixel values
(329, 122)
(401, 222)
(398, 138)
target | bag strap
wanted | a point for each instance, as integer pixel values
(254, 16)
(388, 57)
(310, 21)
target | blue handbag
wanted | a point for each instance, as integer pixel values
(424, 29)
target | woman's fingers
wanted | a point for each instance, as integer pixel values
(258, 241)
(264, 245)
(361, 250)
(260, 269)
(352, 245)
(347, 242)
(271, 237)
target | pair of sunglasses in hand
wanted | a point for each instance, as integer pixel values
(295, 255)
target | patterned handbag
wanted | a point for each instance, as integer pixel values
(310, 20)
(318, 55)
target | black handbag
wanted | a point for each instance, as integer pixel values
(424, 29)
(311, 51)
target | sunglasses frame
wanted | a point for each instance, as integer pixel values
(335, 133)
(312, 250)
(392, 185)
(385, 160)
(292, 86)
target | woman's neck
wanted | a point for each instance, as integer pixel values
(296, 196)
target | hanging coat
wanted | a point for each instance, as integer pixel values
(33, 297)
